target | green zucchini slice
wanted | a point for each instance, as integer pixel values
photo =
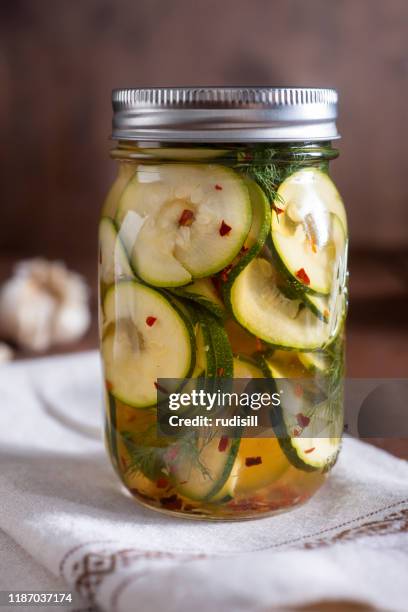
(202, 470)
(203, 292)
(183, 221)
(308, 230)
(260, 228)
(308, 425)
(317, 361)
(219, 352)
(259, 305)
(114, 264)
(144, 337)
(246, 368)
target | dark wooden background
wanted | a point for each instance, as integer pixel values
(60, 59)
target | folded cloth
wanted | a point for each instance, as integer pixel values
(62, 504)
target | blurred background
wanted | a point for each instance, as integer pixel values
(60, 60)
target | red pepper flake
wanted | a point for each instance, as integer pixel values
(250, 461)
(303, 421)
(244, 249)
(159, 387)
(278, 210)
(298, 390)
(172, 502)
(223, 443)
(296, 433)
(310, 450)
(218, 187)
(220, 371)
(225, 272)
(258, 344)
(224, 228)
(151, 321)
(186, 218)
(162, 483)
(302, 276)
(109, 385)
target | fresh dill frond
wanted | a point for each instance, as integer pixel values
(268, 168)
(146, 454)
(154, 456)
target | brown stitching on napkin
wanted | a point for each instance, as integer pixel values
(329, 529)
(95, 566)
(73, 550)
(397, 522)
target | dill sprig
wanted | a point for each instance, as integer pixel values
(268, 168)
(146, 452)
(154, 456)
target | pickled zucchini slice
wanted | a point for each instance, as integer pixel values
(315, 362)
(114, 264)
(246, 368)
(183, 221)
(203, 292)
(246, 479)
(144, 337)
(309, 233)
(308, 429)
(260, 228)
(201, 365)
(202, 474)
(252, 478)
(259, 305)
(217, 473)
(313, 187)
(219, 352)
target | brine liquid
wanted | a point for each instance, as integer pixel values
(261, 478)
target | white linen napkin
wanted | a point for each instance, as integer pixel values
(62, 504)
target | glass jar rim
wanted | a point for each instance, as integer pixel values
(225, 114)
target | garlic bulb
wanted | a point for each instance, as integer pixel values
(43, 304)
(6, 353)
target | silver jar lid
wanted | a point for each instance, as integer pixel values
(225, 114)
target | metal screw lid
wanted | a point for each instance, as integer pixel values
(225, 114)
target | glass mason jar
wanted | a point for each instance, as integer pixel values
(223, 245)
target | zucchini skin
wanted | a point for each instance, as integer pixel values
(276, 415)
(261, 234)
(181, 313)
(214, 308)
(232, 455)
(287, 446)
